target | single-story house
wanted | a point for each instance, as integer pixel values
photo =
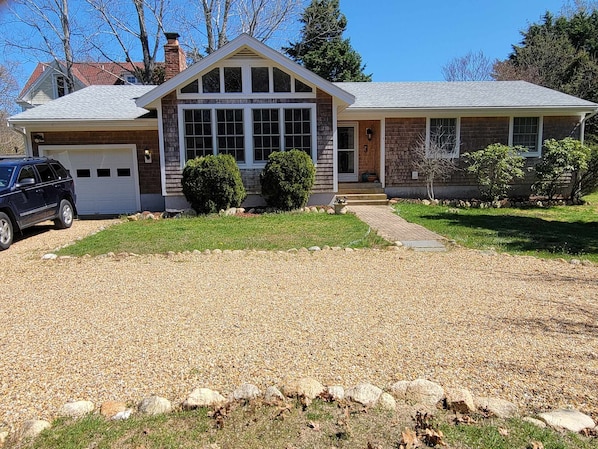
(126, 145)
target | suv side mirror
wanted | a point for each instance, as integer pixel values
(25, 182)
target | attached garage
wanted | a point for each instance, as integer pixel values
(106, 176)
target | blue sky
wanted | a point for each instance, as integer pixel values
(406, 40)
(410, 40)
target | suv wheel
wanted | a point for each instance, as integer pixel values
(65, 215)
(6, 231)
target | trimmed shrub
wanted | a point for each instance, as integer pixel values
(212, 183)
(288, 179)
(494, 168)
(588, 181)
(562, 165)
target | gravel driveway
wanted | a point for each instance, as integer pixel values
(104, 328)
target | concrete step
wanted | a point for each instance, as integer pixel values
(345, 188)
(424, 245)
(366, 200)
(362, 196)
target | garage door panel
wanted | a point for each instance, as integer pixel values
(105, 180)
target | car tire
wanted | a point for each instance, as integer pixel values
(65, 215)
(6, 231)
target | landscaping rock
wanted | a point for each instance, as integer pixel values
(314, 248)
(336, 392)
(273, 395)
(246, 392)
(155, 405)
(33, 428)
(399, 389)
(76, 409)
(535, 422)
(571, 420)
(366, 394)
(422, 391)
(110, 409)
(306, 387)
(497, 407)
(49, 256)
(203, 397)
(387, 402)
(460, 400)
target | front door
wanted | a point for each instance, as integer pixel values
(347, 153)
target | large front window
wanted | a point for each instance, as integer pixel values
(249, 133)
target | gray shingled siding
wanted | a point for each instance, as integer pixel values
(325, 167)
(172, 160)
(476, 133)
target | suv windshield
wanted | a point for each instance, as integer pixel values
(5, 175)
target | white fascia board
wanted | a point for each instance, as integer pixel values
(227, 50)
(86, 125)
(381, 113)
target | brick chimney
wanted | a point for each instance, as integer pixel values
(174, 56)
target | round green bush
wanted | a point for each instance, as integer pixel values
(212, 183)
(287, 179)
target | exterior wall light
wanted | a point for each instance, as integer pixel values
(369, 132)
(147, 156)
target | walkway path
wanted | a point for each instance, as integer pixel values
(394, 228)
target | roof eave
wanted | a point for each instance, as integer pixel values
(82, 124)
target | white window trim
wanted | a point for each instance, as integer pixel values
(55, 84)
(540, 118)
(246, 66)
(247, 127)
(455, 154)
(355, 126)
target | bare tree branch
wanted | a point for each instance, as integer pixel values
(471, 67)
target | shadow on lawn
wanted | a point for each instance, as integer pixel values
(532, 234)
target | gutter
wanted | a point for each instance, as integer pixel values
(583, 124)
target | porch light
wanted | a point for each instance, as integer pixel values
(147, 155)
(369, 132)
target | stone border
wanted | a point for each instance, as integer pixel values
(420, 393)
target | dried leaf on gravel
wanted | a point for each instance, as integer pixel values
(409, 439)
(536, 445)
(464, 419)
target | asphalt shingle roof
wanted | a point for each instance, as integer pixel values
(91, 103)
(453, 95)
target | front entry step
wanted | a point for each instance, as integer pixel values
(362, 199)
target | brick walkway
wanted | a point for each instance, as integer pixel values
(394, 228)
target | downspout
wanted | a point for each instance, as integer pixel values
(23, 132)
(583, 124)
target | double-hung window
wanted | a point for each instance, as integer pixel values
(443, 137)
(525, 132)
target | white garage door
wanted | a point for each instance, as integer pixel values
(105, 177)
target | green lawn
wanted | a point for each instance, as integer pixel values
(560, 231)
(262, 232)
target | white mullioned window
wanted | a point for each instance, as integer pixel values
(250, 133)
(443, 137)
(526, 132)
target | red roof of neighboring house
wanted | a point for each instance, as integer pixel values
(89, 73)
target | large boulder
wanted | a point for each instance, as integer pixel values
(203, 397)
(422, 391)
(497, 407)
(76, 409)
(366, 394)
(571, 420)
(387, 402)
(32, 428)
(155, 405)
(460, 400)
(306, 387)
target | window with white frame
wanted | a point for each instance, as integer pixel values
(525, 132)
(249, 133)
(230, 135)
(442, 137)
(62, 87)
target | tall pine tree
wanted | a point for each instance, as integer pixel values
(322, 48)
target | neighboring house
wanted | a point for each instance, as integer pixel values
(47, 82)
(126, 145)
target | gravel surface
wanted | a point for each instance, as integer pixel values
(122, 328)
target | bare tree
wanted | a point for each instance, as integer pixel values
(10, 141)
(214, 21)
(572, 7)
(434, 158)
(51, 37)
(471, 67)
(139, 23)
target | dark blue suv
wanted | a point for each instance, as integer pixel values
(33, 190)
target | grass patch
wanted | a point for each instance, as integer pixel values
(262, 232)
(319, 425)
(560, 231)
